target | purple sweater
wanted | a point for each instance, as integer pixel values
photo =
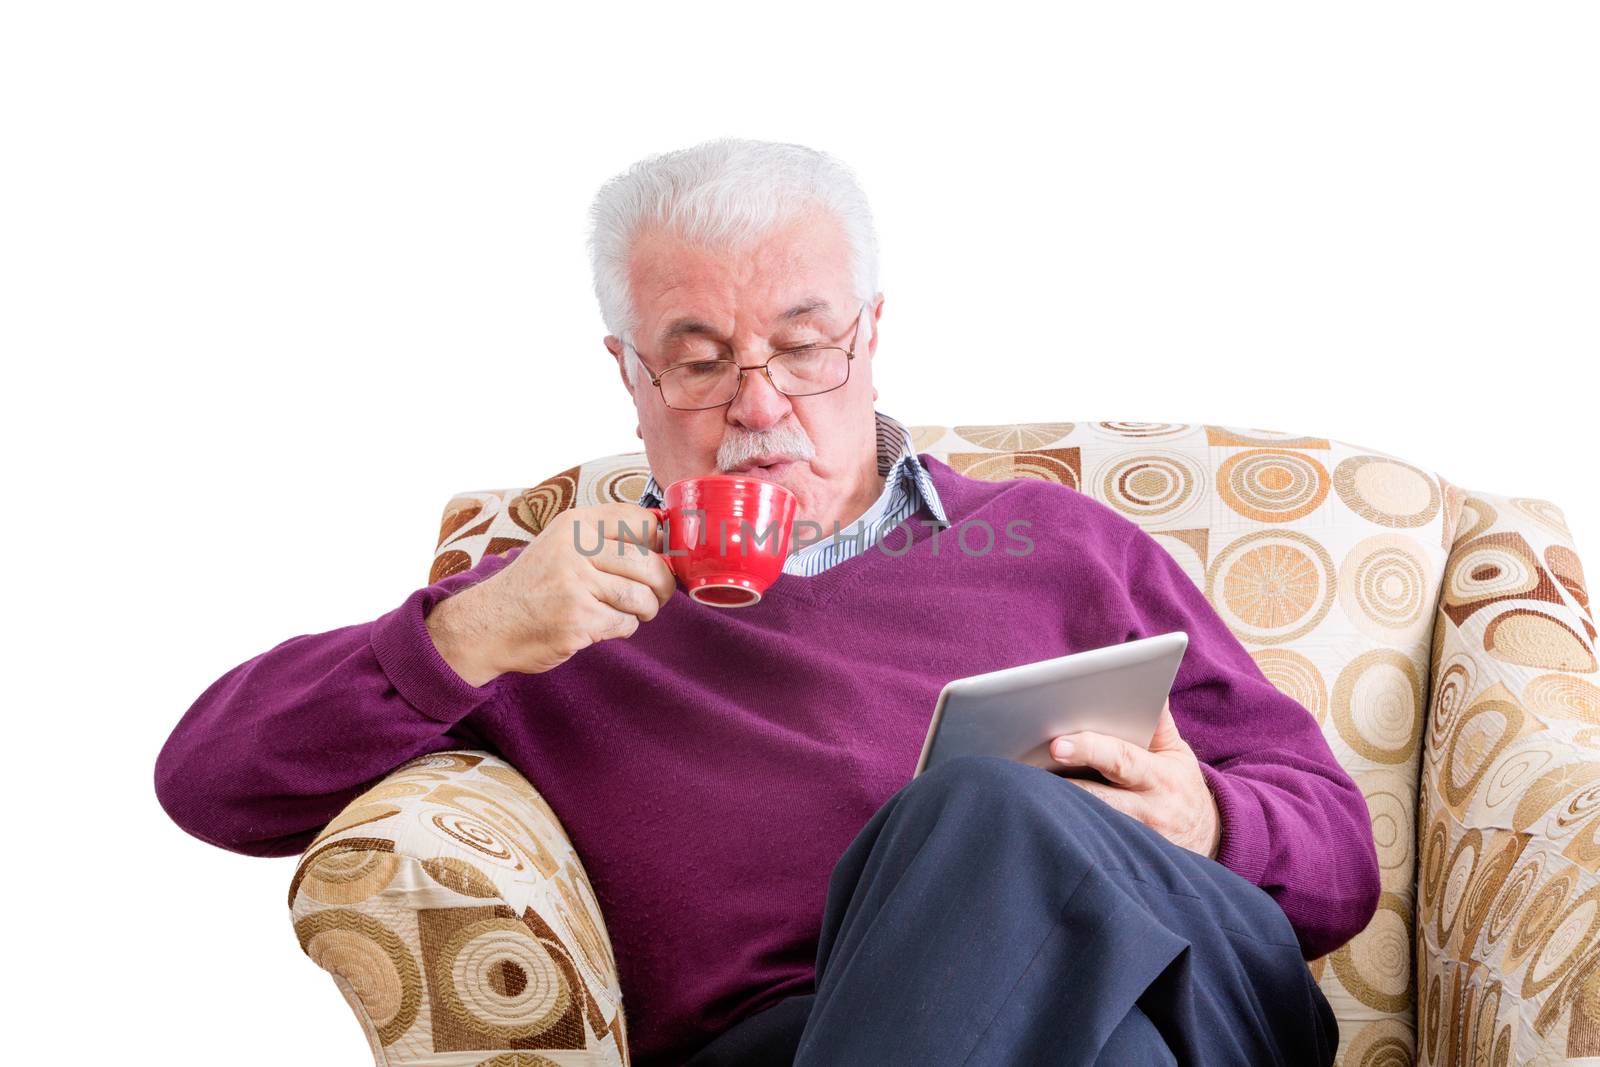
(712, 768)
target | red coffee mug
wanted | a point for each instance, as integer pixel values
(727, 536)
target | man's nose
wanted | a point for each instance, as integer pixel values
(759, 405)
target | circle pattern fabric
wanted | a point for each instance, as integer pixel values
(1271, 586)
(1272, 484)
(1152, 486)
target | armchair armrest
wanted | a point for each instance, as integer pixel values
(454, 915)
(1508, 917)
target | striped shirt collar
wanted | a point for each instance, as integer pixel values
(907, 489)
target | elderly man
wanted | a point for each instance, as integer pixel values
(776, 886)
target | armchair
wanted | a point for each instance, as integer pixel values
(1443, 638)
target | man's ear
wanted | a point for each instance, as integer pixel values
(872, 342)
(614, 346)
(877, 313)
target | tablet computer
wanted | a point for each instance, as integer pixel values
(1018, 711)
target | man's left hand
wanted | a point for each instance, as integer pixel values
(1161, 786)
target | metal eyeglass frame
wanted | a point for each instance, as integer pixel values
(850, 355)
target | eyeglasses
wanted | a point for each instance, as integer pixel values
(712, 383)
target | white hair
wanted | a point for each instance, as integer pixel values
(723, 192)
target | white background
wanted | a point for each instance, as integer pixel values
(279, 279)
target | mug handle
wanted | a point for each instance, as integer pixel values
(661, 521)
(661, 517)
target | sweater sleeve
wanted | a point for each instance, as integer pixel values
(1293, 821)
(280, 744)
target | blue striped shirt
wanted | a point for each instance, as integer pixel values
(906, 490)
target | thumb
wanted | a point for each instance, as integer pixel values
(1167, 737)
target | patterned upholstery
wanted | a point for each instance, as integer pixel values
(455, 917)
(1443, 638)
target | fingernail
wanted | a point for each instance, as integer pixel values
(1063, 749)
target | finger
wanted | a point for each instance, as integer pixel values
(615, 512)
(633, 533)
(1123, 800)
(626, 595)
(606, 622)
(651, 570)
(1124, 764)
(624, 527)
(1166, 736)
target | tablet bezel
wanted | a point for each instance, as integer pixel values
(1117, 689)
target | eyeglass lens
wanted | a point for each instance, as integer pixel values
(800, 372)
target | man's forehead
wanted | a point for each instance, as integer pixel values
(810, 307)
(794, 273)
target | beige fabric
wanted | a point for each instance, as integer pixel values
(455, 917)
(1510, 903)
(1440, 637)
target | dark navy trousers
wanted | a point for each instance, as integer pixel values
(993, 913)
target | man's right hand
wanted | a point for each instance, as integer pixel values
(552, 600)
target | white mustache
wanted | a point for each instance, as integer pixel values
(787, 440)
